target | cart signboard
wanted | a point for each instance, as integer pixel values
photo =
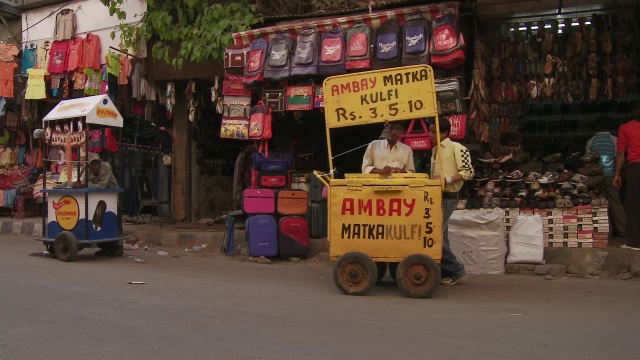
(379, 96)
(98, 110)
(386, 218)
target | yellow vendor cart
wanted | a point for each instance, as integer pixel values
(376, 219)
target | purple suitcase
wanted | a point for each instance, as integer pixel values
(262, 235)
(293, 237)
(258, 201)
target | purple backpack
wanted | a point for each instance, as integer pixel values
(387, 45)
(305, 57)
(415, 35)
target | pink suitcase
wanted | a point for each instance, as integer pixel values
(258, 201)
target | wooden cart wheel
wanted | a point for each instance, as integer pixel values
(66, 246)
(418, 275)
(355, 273)
(382, 270)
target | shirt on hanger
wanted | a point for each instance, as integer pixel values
(113, 63)
(43, 50)
(65, 25)
(59, 57)
(8, 52)
(136, 78)
(79, 79)
(91, 51)
(75, 54)
(125, 70)
(7, 70)
(28, 59)
(92, 86)
(36, 88)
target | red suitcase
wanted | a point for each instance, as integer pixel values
(293, 237)
(292, 202)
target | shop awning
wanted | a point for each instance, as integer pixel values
(374, 20)
(98, 110)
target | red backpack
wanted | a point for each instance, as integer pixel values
(447, 44)
(260, 122)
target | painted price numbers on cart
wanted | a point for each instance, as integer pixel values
(379, 96)
(427, 240)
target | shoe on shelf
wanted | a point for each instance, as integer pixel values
(483, 175)
(541, 194)
(564, 176)
(573, 157)
(504, 158)
(567, 201)
(533, 176)
(591, 170)
(535, 186)
(604, 202)
(462, 204)
(490, 186)
(578, 178)
(590, 157)
(581, 188)
(595, 203)
(559, 202)
(548, 177)
(498, 175)
(522, 193)
(514, 176)
(566, 188)
(551, 194)
(487, 158)
(552, 158)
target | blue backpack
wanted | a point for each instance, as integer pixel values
(305, 57)
(387, 47)
(415, 35)
(254, 70)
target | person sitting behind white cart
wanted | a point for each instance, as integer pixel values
(100, 174)
(388, 155)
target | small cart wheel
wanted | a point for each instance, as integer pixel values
(418, 275)
(66, 246)
(393, 267)
(355, 273)
(382, 270)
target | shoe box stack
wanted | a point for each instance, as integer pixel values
(276, 223)
(577, 227)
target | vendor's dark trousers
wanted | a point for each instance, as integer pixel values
(632, 204)
(450, 265)
(618, 218)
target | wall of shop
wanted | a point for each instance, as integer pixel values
(91, 16)
(14, 29)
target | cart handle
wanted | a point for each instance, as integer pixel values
(320, 176)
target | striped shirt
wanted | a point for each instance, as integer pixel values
(604, 144)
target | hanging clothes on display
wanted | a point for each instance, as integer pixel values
(7, 69)
(65, 25)
(42, 55)
(36, 88)
(75, 54)
(8, 52)
(59, 57)
(29, 56)
(92, 85)
(91, 52)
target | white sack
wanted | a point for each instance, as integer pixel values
(526, 241)
(477, 239)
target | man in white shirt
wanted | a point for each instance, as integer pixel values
(389, 155)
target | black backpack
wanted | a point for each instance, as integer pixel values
(387, 47)
(305, 57)
(415, 36)
(278, 64)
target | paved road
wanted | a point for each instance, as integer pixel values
(211, 307)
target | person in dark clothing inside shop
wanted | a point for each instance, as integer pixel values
(100, 174)
(629, 151)
(456, 168)
(242, 174)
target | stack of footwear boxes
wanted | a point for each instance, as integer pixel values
(581, 226)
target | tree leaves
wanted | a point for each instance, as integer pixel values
(201, 28)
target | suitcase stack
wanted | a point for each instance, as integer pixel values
(293, 229)
(317, 216)
(272, 172)
(268, 236)
(261, 227)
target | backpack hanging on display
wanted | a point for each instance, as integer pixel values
(318, 97)
(300, 97)
(387, 52)
(254, 70)
(278, 64)
(275, 161)
(273, 180)
(458, 126)
(260, 122)
(233, 85)
(358, 55)
(235, 56)
(448, 96)
(305, 56)
(415, 35)
(417, 141)
(331, 60)
(234, 128)
(236, 106)
(447, 43)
